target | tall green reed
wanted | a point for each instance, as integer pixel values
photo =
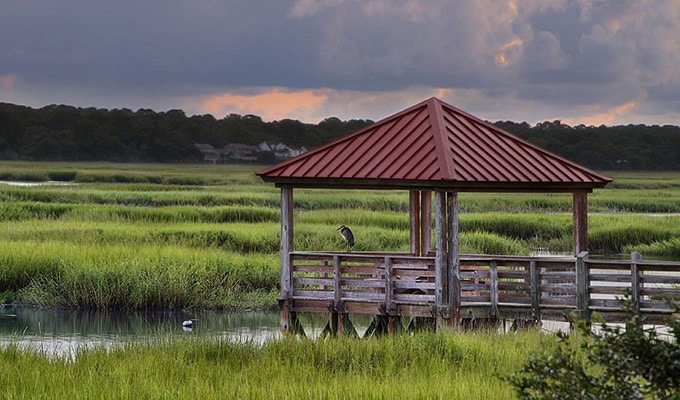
(424, 365)
(134, 277)
(228, 210)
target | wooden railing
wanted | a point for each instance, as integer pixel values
(509, 287)
(362, 283)
(490, 286)
(650, 283)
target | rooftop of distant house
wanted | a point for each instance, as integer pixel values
(246, 153)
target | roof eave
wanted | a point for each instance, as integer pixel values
(435, 185)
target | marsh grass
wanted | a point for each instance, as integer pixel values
(616, 233)
(135, 277)
(424, 365)
(87, 172)
(94, 243)
(669, 248)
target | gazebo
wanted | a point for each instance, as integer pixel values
(432, 150)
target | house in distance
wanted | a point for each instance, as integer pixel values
(249, 154)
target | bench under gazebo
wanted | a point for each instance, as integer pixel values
(433, 151)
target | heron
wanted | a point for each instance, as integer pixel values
(348, 236)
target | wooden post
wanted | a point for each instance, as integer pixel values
(493, 289)
(535, 291)
(440, 258)
(392, 319)
(635, 273)
(582, 292)
(453, 268)
(337, 292)
(426, 222)
(580, 209)
(392, 324)
(286, 269)
(336, 312)
(389, 285)
(414, 222)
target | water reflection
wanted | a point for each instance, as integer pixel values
(63, 332)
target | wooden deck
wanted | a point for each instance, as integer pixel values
(491, 288)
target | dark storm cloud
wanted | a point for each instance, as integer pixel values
(156, 43)
(564, 53)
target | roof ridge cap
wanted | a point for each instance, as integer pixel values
(445, 160)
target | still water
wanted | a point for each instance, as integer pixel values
(63, 332)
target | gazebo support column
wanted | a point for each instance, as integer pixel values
(425, 222)
(453, 260)
(288, 321)
(447, 265)
(580, 208)
(414, 222)
(420, 222)
(440, 262)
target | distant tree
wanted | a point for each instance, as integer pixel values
(331, 124)
(266, 157)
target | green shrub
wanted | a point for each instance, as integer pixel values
(631, 363)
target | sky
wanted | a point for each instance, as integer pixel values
(591, 62)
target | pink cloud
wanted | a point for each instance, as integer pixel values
(608, 117)
(7, 81)
(272, 104)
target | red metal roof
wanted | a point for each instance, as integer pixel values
(433, 145)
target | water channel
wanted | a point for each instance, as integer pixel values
(58, 332)
(63, 332)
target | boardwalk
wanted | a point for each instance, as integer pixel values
(396, 287)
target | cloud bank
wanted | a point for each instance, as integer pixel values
(581, 61)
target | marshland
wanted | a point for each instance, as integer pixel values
(140, 237)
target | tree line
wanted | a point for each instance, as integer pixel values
(66, 133)
(621, 147)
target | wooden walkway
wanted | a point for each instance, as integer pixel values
(402, 289)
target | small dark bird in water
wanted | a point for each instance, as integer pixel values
(348, 236)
